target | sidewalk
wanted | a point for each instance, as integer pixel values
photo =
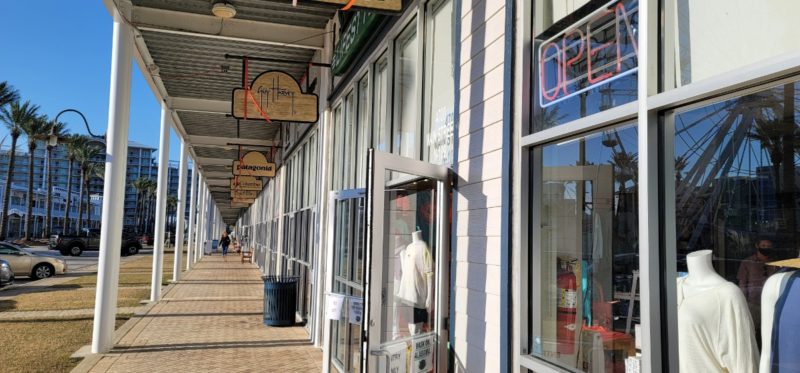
(211, 321)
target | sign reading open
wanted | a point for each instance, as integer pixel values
(598, 49)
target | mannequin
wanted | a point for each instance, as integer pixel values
(774, 287)
(416, 281)
(715, 330)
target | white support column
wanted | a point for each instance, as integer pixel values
(204, 226)
(190, 233)
(198, 236)
(179, 214)
(105, 308)
(161, 205)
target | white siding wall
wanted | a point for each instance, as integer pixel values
(477, 280)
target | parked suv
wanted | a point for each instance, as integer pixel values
(89, 239)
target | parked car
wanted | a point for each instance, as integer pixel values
(24, 262)
(6, 274)
(89, 239)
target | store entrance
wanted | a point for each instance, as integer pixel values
(407, 253)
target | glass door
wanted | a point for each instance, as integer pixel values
(346, 284)
(407, 255)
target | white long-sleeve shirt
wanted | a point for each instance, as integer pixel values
(715, 331)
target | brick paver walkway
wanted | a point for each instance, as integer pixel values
(211, 321)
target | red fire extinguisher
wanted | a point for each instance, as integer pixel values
(566, 310)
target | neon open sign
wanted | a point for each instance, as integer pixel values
(600, 48)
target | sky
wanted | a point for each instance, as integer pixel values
(57, 54)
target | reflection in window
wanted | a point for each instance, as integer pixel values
(587, 262)
(380, 129)
(439, 95)
(736, 187)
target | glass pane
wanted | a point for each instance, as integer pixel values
(338, 149)
(736, 189)
(710, 35)
(380, 131)
(363, 132)
(409, 246)
(587, 264)
(406, 137)
(342, 238)
(350, 142)
(586, 59)
(439, 93)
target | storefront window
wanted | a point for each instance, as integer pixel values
(337, 159)
(406, 125)
(584, 297)
(438, 131)
(586, 59)
(350, 141)
(717, 36)
(736, 188)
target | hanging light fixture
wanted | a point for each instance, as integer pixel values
(223, 10)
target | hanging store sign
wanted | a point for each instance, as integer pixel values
(385, 5)
(248, 201)
(254, 164)
(275, 96)
(239, 205)
(246, 183)
(599, 49)
(244, 194)
(354, 37)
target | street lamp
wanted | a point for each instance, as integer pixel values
(53, 141)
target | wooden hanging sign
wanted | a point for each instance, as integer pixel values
(254, 164)
(246, 183)
(386, 5)
(239, 205)
(275, 96)
(244, 194)
(241, 201)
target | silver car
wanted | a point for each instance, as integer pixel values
(6, 274)
(30, 263)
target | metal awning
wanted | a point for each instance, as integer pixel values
(181, 48)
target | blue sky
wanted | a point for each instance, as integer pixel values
(57, 54)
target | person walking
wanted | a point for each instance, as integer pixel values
(225, 241)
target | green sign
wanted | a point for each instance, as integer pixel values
(353, 38)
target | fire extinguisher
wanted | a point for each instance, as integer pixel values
(566, 310)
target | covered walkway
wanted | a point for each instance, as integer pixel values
(210, 321)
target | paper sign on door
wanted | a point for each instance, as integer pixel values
(422, 354)
(356, 310)
(333, 306)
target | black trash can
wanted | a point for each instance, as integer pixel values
(280, 300)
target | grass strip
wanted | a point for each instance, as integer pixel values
(125, 280)
(73, 299)
(44, 346)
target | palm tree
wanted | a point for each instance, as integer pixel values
(151, 197)
(7, 94)
(86, 156)
(172, 203)
(57, 129)
(138, 185)
(93, 170)
(74, 145)
(35, 130)
(13, 116)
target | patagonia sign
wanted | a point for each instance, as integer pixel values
(254, 164)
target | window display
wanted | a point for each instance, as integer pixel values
(585, 292)
(715, 331)
(781, 305)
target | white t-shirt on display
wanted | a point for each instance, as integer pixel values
(715, 331)
(417, 267)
